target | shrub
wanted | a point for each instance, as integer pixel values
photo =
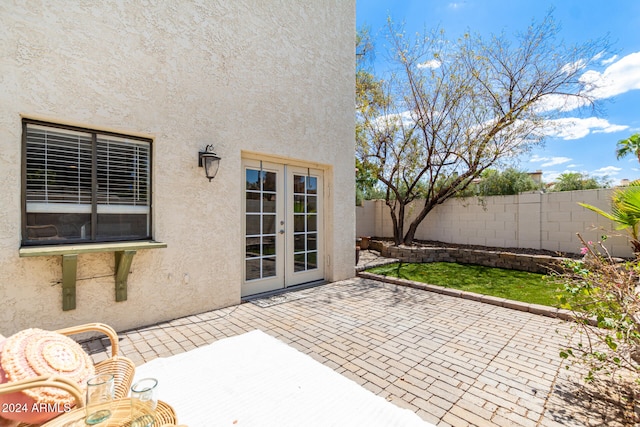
(604, 295)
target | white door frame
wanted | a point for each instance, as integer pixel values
(305, 230)
(283, 226)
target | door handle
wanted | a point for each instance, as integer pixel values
(281, 231)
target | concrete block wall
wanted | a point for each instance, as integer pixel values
(530, 220)
(562, 218)
(366, 218)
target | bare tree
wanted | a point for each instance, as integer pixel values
(453, 109)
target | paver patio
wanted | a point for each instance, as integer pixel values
(453, 361)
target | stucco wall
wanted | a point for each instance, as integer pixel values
(529, 220)
(270, 77)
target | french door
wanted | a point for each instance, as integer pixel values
(283, 226)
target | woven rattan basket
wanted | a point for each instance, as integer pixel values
(120, 416)
(122, 368)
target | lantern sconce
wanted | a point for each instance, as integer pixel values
(210, 161)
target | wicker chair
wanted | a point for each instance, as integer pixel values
(42, 381)
(122, 368)
(47, 381)
(164, 416)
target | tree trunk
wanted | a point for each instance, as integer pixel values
(411, 233)
(413, 227)
(398, 221)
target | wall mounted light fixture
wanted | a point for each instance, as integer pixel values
(210, 161)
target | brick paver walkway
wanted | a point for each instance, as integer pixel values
(453, 361)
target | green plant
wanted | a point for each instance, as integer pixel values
(603, 294)
(571, 181)
(625, 211)
(506, 182)
(628, 146)
(499, 282)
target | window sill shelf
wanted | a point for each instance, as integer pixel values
(27, 251)
(123, 251)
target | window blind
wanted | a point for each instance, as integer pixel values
(58, 167)
(123, 174)
(59, 172)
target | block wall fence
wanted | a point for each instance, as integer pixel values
(529, 220)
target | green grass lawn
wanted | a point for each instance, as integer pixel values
(511, 284)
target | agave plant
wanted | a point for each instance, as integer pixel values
(625, 211)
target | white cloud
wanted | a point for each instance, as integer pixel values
(606, 171)
(455, 5)
(619, 77)
(572, 68)
(404, 118)
(560, 103)
(556, 161)
(611, 129)
(549, 161)
(576, 128)
(434, 63)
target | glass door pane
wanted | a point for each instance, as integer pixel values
(304, 219)
(282, 223)
(260, 224)
(304, 239)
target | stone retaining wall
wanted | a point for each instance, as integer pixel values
(523, 262)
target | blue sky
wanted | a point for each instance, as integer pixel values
(588, 144)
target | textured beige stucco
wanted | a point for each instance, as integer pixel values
(271, 77)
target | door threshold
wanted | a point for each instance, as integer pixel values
(276, 292)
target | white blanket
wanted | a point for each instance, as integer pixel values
(256, 380)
